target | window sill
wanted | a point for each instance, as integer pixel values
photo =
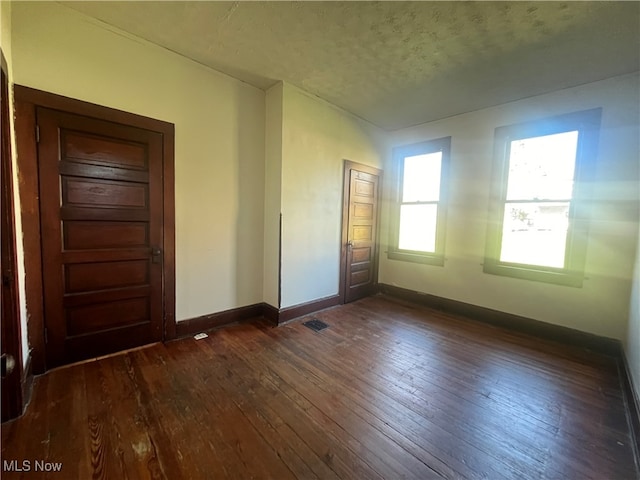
(535, 274)
(417, 257)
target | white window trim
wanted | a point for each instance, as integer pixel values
(399, 154)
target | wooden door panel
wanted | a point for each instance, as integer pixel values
(123, 214)
(85, 235)
(99, 150)
(360, 275)
(363, 211)
(113, 295)
(102, 316)
(101, 217)
(104, 255)
(83, 277)
(76, 169)
(359, 278)
(361, 207)
(101, 343)
(93, 192)
(362, 254)
(364, 187)
(362, 233)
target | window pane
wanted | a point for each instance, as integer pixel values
(535, 233)
(421, 180)
(542, 167)
(418, 227)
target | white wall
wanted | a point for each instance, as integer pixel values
(601, 306)
(219, 144)
(316, 139)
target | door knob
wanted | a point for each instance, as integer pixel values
(156, 255)
(350, 244)
(8, 364)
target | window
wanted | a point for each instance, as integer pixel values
(420, 210)
(538, 219)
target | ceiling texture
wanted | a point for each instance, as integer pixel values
(395, 64)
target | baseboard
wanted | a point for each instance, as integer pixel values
(270, 312)
(207, 322)
(302, 309)
(632, 401)
(281, 315)
(536, 328)
(277, 316)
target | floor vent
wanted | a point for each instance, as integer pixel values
(315, 325)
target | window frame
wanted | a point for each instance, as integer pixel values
(399, 154)
(587, 123)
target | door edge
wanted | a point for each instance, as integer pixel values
(11, 326)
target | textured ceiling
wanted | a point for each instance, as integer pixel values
(395, 64)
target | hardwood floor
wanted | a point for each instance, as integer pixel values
(389, 390)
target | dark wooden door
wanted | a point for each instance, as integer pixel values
(101, 203)
(9, 316)
(360, 217)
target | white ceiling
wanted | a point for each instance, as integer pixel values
(395, 64)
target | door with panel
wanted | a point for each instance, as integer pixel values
(360, 230)
(101, 220)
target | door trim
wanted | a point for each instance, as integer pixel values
(348, 166)
(26, 102)
(11, 324)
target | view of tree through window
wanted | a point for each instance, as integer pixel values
(539, 192)
(540, 210)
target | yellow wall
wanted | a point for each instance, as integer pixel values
(5, 30)
(272, 198)
(5, 44)
(232, 140)
(219, 144)
(601, 305)
(316, 138)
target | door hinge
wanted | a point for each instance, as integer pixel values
(37, 133)
(46, 335)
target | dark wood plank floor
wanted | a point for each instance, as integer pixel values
(389, 390)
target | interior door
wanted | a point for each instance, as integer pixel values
(101, 217)
(9, 316)
(360, 230)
